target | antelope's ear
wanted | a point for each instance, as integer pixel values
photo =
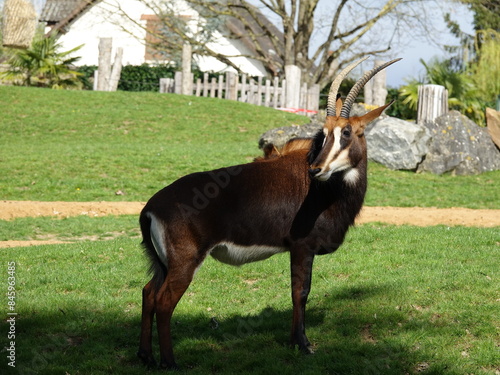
(369, 117)
(338, 105)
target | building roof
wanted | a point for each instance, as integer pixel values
(60, 13)
(56, 10)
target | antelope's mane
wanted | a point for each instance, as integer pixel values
(295, 144)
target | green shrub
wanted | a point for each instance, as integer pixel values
(133, 77)
(144, 77)
(137, 77)
(43, 65)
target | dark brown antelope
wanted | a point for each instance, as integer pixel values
(301, 200)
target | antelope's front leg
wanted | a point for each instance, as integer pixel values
(301, 267)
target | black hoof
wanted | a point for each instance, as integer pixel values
(307, 349)
(169, 366)
(147, 359)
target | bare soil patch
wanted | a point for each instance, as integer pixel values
(420, 216)
(15, 209)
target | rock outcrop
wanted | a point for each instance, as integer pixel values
(450, 144)
(459, 146)
(396, 143)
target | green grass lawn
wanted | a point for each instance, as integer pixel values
(392, 300)
(77, 145)
(86, 146)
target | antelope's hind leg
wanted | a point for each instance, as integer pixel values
(145, 352)
(179, 277)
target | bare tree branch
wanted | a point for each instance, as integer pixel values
(282, 32)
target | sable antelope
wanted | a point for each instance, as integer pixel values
(302, 201)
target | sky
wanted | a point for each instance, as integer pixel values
(413, 49)
(410, 66)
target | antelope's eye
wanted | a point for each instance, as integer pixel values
(346, 133)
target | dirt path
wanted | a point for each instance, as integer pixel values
(391, 215)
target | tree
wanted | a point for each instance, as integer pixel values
(485, 71)
(486, 13)
(320, 37)
(2, 50)
(480, 64)
(43, 65)
(486, 17)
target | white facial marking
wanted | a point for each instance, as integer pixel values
(236, 255)
(341, 162)
(337, 159)
(336, 145)
(351, 177)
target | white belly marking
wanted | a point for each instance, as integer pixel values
(236, 255)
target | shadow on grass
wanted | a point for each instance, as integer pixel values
(86, 341)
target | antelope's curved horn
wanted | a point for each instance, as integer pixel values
(334, 88)
(351, 97)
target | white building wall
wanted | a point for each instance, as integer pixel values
(104, 21)
(121, 20)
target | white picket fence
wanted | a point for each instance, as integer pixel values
(258, 91)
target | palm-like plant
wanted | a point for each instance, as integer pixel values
(43, 65)
(462, 94)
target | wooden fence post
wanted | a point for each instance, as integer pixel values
(292, 94)
(259, 91)
(375, 90)
(213, 87)
(205, 85)
(278, 93)
(116, 70)
(379, 86)
(313, 98)
(178, 83)
(267, 93)
(220, 86)
(244, 89)
(105, 45)
(167, 85)
(231, 86)
(368, 92)
(187, 81)
(432, 102)
(251, 92)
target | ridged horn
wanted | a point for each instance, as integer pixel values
(334, 88)
(351, 97)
